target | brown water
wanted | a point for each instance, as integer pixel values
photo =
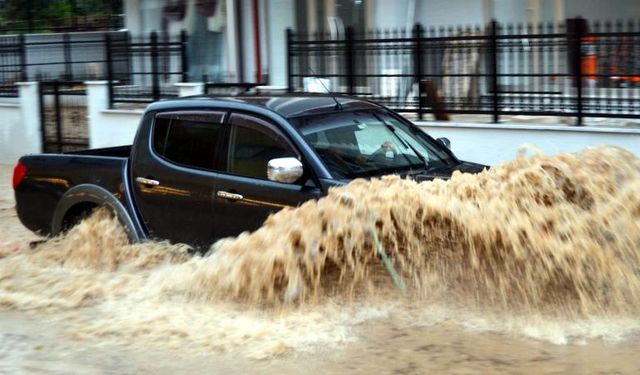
(532, 266)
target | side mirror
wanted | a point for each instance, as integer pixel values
(445, 142)
(287, 170)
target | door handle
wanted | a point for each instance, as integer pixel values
(147, 181)
(231, 196)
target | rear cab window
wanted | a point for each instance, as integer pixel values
(190, 139)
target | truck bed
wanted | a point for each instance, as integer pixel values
(50, 176)
(117, 152)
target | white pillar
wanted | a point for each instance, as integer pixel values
(534, 13)
(487, 10)
(559, 11)
(559, 18)
(264, 38)
(109, 127)
(247, 43)
(97, 101)
(29, 139)
(189, 88)
(282, 17)
(232, 42)
(132, 17)
(312, 17)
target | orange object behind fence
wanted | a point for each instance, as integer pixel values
(589, 59)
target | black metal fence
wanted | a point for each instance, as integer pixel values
(64, 57)
(153, 63)
(63, 116)
(12, 68)
(138, 69)
(568, 69)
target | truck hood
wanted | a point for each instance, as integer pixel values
(443, 172)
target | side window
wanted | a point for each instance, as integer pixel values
(252, 144)
(189, 139)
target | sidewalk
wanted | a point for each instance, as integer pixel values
(488, 143)
(625, 123)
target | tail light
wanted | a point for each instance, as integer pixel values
(19, 172)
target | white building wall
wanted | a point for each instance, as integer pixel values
(109, 127)
(114, 127)
(511, 11)
(389, 15)
(602, 10)
(132, 16)
(282, 16)
(447, 12)
(248, 41)
(20, 126)
(151, 15)
(436, 13)
(11, 137)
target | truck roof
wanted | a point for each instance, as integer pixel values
(286, 105)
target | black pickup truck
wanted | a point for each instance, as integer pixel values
(201, 169)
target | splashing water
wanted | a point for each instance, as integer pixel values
(559, 232)
(545, 237)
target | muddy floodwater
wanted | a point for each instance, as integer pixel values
(532, 267)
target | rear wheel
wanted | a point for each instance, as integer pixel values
(76, 215)
(101, 224)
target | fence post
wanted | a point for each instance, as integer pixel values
(109, 57)
(23, 58)
(58, 114)
(68, 69)
(129, 56)
(417, 65)
(349, 60)
(42, 107)
(289, 37)
(184, 59)
(575, 33)
(155, 78)
(494, 71)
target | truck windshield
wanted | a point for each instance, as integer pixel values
(366, 143)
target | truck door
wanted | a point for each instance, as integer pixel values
(173, 175)
(244, 195)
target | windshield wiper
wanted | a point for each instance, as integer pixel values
(409, 146)
(404, 142)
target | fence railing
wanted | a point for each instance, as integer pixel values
(12, 67)
(63, 116)
(139, 69)
(154, 64)
(568, 69)
(64, 57)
